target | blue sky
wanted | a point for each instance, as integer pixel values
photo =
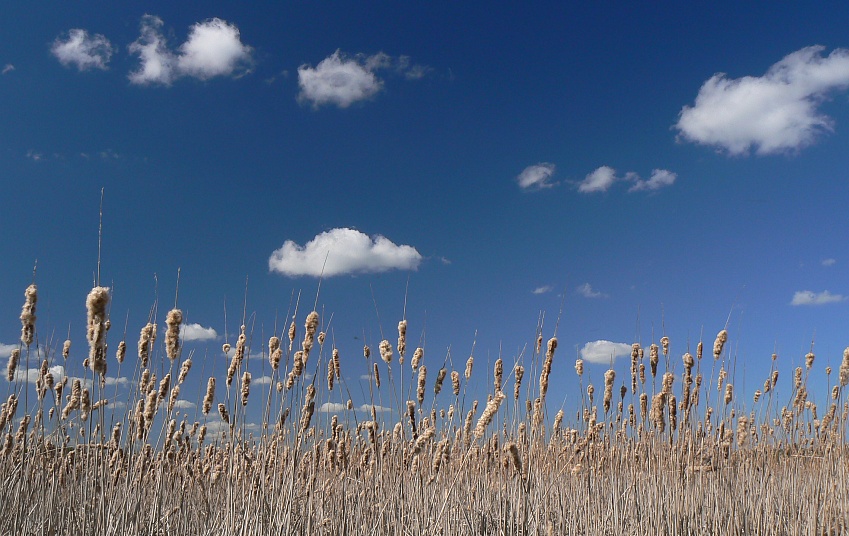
(657, 170)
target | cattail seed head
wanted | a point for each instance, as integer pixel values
(14, 359)
(246, 387)
(488, 414)
(421, 384)
(469, 364)
(417, 358)
(385, 351)
(184, 370)
(455, 382)
(172, 333)
(96, 303)
(440, 377)
(121, 352)
(719, 343)
(147, 337)
(222, 411)
(209, 396)
(579, 367)
(402, 341)
(28, 315)
(843, 371)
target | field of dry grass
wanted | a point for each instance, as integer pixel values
(662, 453)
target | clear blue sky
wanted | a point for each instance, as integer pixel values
(655, 169)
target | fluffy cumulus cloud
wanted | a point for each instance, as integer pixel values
(599, 180)
(331, 407)
(808, 297)
(659, 179)
(213, 48)
(196, 332)
(81, 50)
(31, 375)
(6, 350)
(342, 80)
(342, 251)
(338, 80)
(602, 351)
(587, 291)
(536, 177)
(773, 113)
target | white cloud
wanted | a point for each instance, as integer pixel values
(196, 332)
(157, 62)
(829, 262)
(807, 297)
(773, 113)
(543, 290)
(22, 375)
(35, 156)
(366, 408)
(536, 177)
(602, 351)
(262, 380)
(331, 407)
(659, 178)
(586, 290)
(346, 251)
(6, 350)
(599, 180)
(8, 68)
(339, 80)
(82, 50)
(213, 48)
(184, 404)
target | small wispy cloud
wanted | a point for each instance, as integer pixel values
(343, 251)
(536, 177)
(587, 291)
(184, 404)
(599, 180)
(81, 50)
(603, 351)
(261, 380)
(35, 156)
(829, 262)
(773, 113)
(342, 80)
(659, 178)
(8, 68)
(808, 297)
(604, 177)
(542, 290)
(196, 332)
(366, 408)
